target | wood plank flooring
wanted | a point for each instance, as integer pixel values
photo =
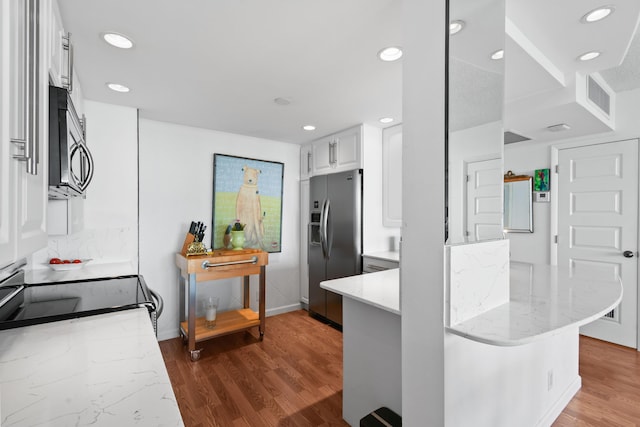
(610, 393)
(294, 378)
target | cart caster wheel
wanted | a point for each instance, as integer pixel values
(261, 335)
(195, 355)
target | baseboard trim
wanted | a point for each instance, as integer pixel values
(562, 402)
(283, 309)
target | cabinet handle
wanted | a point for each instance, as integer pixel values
(333, 154)
(67, 80)
(31, 123)
(309, 162)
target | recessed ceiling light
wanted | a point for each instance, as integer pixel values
(118, 40)
(455, 27)
(386, 120)
(597, 14)
(589, 56)
(309, 127)
(392, 53)
(498, 54)
(118, 87)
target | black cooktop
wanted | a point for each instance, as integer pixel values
(48, 302)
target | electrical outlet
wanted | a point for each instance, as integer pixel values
(550, 380)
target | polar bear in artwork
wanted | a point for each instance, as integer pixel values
(248, 208)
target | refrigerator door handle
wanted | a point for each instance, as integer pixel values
(323, 229)
(327, 229)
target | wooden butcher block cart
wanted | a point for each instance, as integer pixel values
(220, 264)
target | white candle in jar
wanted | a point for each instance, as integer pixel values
(211, 314)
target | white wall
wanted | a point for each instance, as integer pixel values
(422, 260)
(110, 233)
(176, 187)
(525, 157)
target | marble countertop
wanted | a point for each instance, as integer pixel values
(103, 370)
(384, 255)
(544, 300)
(380, 289)
(92, 270)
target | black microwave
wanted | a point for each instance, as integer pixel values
(70, 162)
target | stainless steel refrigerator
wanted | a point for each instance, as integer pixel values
(335, 238)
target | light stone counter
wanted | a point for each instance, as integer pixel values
(104, 370)
(544, 300)
(380, 289)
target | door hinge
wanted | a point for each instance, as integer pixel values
(557, 168)
(468, 178)
(555, 239)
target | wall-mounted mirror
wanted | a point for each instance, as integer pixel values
(518, 203)
(475, 130)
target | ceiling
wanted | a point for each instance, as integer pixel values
(220, 64)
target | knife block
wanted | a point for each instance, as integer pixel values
(189, 239)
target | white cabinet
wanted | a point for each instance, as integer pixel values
(338, 152)
(371, 264)
(23, 125)
(392, 176)
(304, 239)
(306, 161)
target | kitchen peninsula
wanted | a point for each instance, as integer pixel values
(516, 361)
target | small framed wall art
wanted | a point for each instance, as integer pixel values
(541, 180)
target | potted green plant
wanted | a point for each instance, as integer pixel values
(237, 235)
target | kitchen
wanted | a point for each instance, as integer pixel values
(113, 223)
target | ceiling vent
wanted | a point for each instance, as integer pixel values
(598, 96)
(511, 137)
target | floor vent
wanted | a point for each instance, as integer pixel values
(599, 96)
(611, 316)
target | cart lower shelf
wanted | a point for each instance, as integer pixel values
(227, 322)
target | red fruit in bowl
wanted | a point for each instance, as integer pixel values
(66, 261)
(55, 261)
(76, 261)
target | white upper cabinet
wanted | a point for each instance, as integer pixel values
(56, 40)
(392, 176)
(338, 152)
(306, 161)
(24, 129)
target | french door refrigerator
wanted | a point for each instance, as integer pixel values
(335, 238)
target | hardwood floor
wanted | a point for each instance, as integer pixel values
(294, 378)
(610, 393)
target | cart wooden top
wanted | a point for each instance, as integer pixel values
(223, 263)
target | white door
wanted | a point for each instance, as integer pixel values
(597, 223)
(484, 200)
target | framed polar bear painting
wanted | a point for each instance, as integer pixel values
(247, 191)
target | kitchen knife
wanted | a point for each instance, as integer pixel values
(192, 228)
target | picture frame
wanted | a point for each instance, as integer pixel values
(541, 180)
(249, 191)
